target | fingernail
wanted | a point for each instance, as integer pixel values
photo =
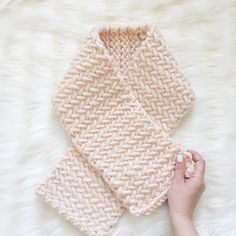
(179, 158)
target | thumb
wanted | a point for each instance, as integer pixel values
(180, 166)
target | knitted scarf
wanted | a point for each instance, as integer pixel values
(120, 100)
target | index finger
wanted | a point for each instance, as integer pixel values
(199, 164)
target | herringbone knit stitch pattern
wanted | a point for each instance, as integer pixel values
(110, 126)
(147, 66)
(121, 97)
(80, 194)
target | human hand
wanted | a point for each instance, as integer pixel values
(184, 194)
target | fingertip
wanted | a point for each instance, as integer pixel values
(180, 162)
(180, 166)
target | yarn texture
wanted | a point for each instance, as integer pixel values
(120, 100)
(77, 191)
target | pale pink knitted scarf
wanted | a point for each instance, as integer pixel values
(119, 101)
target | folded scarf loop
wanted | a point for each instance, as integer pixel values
(120, 100)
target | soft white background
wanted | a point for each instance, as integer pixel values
(38, 40)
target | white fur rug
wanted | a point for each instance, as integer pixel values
(38, 40)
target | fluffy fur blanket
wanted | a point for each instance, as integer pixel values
(38, 40)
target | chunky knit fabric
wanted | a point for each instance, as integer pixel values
(77, 191)
(121, 97)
